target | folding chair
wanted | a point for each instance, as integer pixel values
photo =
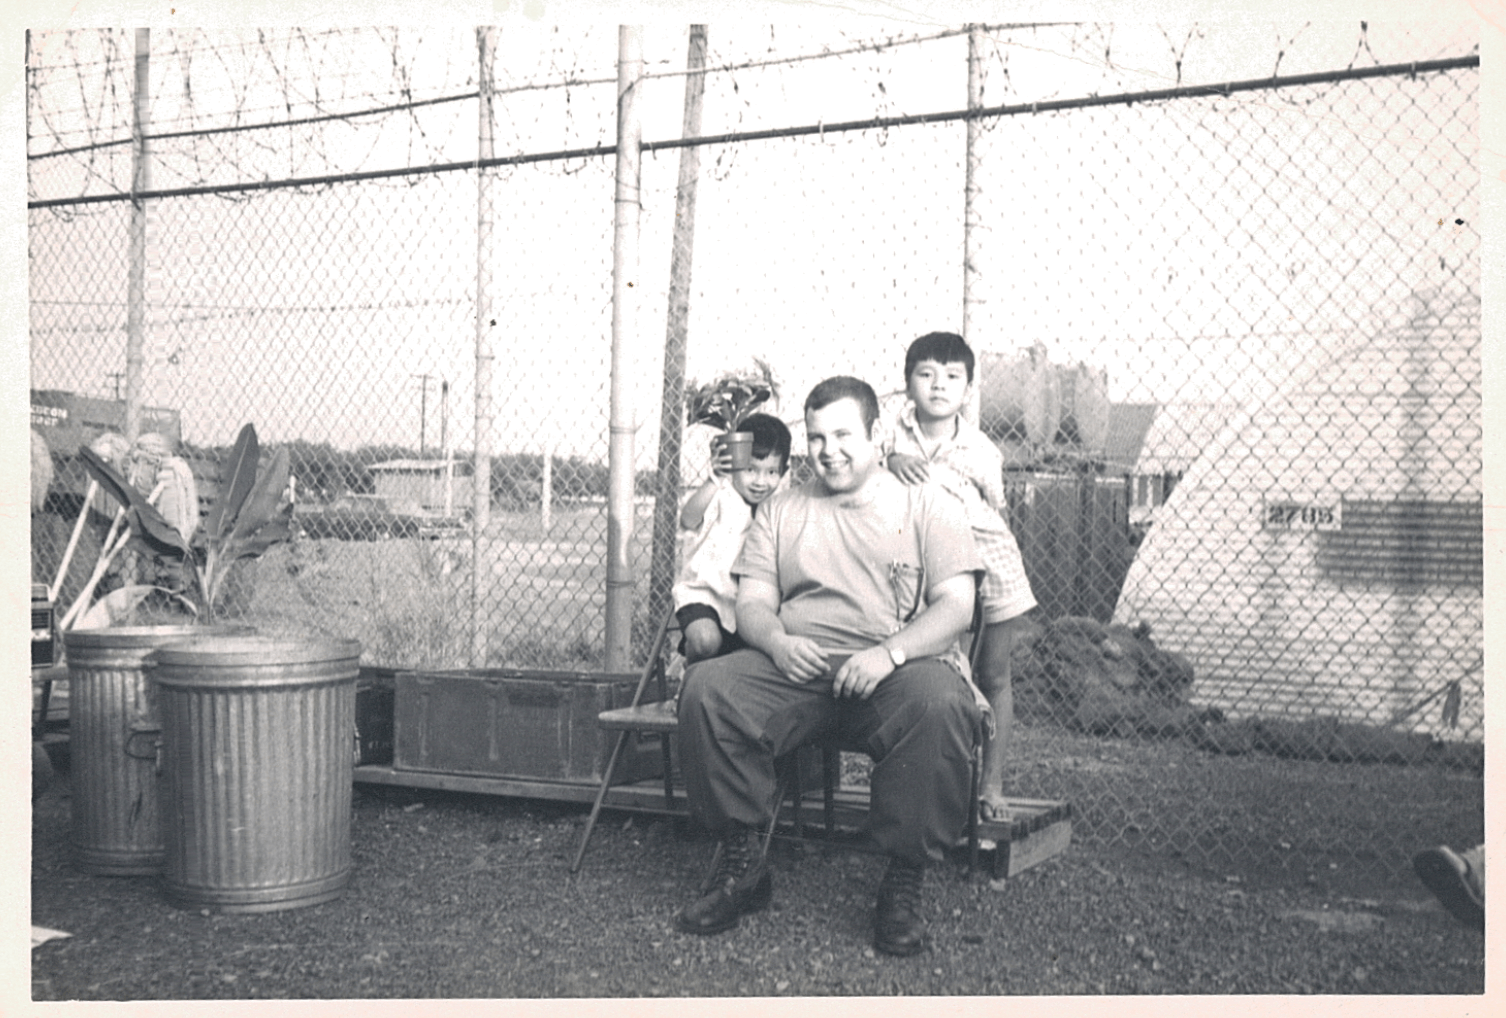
(658, 717)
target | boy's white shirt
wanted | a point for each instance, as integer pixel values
(983, 499)
(707, 554)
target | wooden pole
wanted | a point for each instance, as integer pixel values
(621, 425)
(481, 468)
(970, 231)
(141, 181)
(676, 340)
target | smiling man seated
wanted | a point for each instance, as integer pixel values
(854, 591)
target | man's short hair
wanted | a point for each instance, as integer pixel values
(941, 347)
(845, 387)
(769, 436)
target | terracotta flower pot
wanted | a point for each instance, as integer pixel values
(739, 446)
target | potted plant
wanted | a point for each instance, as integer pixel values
(247, 518)
(726, 401)
(113, 712)
(229, 834)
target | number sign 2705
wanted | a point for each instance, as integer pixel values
(1297, 516)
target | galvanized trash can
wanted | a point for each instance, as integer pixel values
(112, 736)
(256, 738)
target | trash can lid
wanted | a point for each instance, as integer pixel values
(129, 637)
(257, 649)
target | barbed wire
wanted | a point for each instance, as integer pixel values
(314, 73)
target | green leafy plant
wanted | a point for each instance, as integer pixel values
(727, 400)
(247, 518)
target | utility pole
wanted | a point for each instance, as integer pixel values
(444, 445)
(423, 413)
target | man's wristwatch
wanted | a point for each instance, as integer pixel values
(896, 655)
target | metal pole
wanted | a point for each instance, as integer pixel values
(141, 181)
(444, 445)
(970, 231)
(621, 425)
(481, 471)
(423, 414)
(672, 412)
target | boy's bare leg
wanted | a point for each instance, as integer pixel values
(703, 639)
(997, 684)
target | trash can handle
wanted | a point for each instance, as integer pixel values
(135, 730)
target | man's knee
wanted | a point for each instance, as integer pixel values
(707, 682)
(940, 699)
(703, 639)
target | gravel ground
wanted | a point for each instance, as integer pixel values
(456, 896)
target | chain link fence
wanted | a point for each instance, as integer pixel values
(1229, 343)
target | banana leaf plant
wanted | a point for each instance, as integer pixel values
(247, 518)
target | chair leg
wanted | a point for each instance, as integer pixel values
(781, 786)
(669, 774)
(601, 794)
(973, 810)
(797, 792)
(831, 766)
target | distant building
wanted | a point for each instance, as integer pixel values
(421, 484)
(68, 420)
(1324, 556)
(1153, 445)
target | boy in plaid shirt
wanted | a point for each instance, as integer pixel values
(931, 441)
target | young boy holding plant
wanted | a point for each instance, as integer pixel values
(931, 440)
(717, 517)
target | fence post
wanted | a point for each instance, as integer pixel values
(970, 232)
(481, 469)
(141, 181)
(672, 410)
(621, 425)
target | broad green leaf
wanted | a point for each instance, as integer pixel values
(273, 532)
(159, 535)
(237, 478)
(261, 506)
(109, 478)
(118, 605)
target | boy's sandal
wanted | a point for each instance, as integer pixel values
(990, 814)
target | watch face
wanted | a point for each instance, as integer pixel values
(897, 656)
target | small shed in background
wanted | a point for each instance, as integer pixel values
(423, 483)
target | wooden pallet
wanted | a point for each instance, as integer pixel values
(1041, 828)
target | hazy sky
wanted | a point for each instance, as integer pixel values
(822, 256)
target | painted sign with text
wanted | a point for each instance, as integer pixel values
(1287, 515)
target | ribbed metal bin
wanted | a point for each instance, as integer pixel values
(112, 735)
(257, 735)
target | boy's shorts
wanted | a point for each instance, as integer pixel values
(1006, 589)
(692, 612)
